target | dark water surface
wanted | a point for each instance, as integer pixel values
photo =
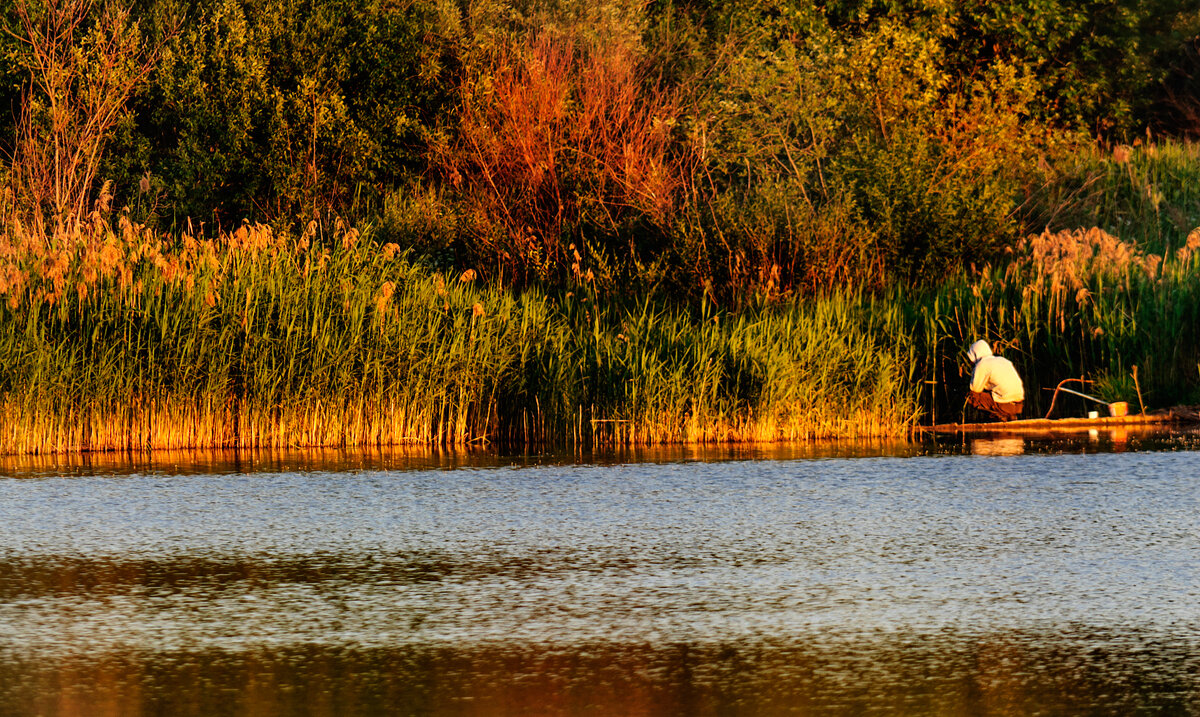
(1004, 576)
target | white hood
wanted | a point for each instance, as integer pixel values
(979, 350)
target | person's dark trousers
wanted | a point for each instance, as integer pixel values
(1002, 411)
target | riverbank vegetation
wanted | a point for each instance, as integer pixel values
(255, 222)
(116, 340)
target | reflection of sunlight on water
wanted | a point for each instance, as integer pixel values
(416, 458)
(1120, 438)
(1003, 440)
(1113, 439)
(899, 673)
(811, 584)
(998, 446)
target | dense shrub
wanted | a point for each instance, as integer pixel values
(875, 163)
(1099, 64)
(274, 109)
(752, 148)
(559, 139)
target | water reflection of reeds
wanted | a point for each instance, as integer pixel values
(1086, 670)
(206, 461)
(947, 584)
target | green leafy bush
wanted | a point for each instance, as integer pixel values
(856, 156)
(275, 109)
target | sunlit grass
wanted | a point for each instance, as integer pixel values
(113, 337)
(1147, 193)
(117, 337)
(1078, 304)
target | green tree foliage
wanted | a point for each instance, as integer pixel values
(737, 148)
(1177, 110)
(12, 79)
(852, 156)
(1099, 63)
(278, 108)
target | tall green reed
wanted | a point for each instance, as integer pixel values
(124, 339)
(1077, 304)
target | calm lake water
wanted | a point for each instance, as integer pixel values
(1002, 576)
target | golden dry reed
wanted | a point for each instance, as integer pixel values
(117, 337)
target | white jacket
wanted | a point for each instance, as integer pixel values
(995, 374)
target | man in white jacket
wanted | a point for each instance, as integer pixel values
(995, 386)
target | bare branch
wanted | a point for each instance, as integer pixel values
(85, 62)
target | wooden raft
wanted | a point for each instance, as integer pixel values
(1067, 425)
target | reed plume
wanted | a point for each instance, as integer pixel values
(126, 339)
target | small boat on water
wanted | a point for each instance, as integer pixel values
(1162, 417)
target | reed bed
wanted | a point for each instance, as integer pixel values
(818, 368)
(115, 337)
(1069, 304)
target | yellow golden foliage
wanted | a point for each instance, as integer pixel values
(1066, 260)
(384, 296)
